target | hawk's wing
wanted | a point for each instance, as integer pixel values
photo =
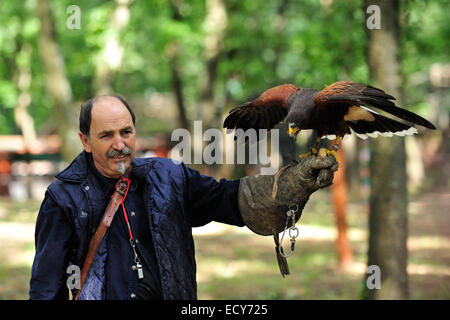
(266, 111)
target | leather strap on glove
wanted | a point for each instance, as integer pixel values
(265, 214)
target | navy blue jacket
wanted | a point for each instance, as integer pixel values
(176, 198)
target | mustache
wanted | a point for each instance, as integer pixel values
(116, 153)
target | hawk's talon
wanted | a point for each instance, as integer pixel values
(325, 152)
(333, 153)
(305, 155)
(311, 153)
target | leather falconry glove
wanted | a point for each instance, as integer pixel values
(267, 216)
(265, 199)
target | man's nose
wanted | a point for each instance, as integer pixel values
(118, 144)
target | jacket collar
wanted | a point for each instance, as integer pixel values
(77, 171)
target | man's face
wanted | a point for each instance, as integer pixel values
(112, 137)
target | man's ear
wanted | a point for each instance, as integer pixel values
(85, 141)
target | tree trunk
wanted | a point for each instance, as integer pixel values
(111, 58)
(216, 22)
(288, 146)
(177, 82)
(339, 193)
(57, 84)
(177, 85)
(22, 81)
(388, 219)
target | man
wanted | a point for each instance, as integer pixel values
(153, 229)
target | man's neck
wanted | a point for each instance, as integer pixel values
(101, 177)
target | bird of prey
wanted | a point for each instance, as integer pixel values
(333, 112)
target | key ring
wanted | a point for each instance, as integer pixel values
(293, 231)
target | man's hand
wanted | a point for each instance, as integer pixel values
(264, 200)
(316, 172)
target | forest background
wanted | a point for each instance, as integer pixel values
(179, 61)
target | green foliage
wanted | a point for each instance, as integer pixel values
(310, 43)
(426, 34)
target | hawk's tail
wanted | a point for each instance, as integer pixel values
(381, 125)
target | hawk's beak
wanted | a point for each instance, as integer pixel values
(293, 132)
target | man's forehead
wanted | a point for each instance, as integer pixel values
(111, 112)
(104, 103)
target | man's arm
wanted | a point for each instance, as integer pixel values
(209, 200)
(259, 202)
(52, 237)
